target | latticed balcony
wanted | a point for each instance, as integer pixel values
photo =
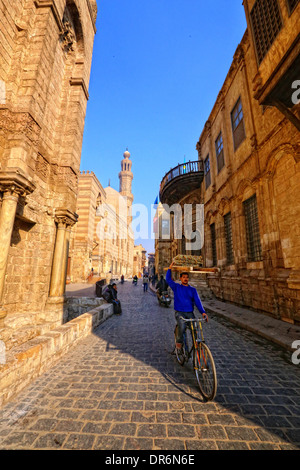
(180, 181)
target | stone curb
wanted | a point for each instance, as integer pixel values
(277, 331)
(30, 360)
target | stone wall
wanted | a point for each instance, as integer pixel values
(38, 354)
(76, 306)
(266, 165)
(46, 49)
(261, 163)
(45, 61)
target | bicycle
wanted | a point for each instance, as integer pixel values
(203, 362)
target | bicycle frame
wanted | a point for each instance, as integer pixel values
(203, 362)
(198, 338)
(197, 332)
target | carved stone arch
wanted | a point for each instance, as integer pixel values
(73, 37)
(223, 205)
(209, 216)
(207, 126)
(277, 154)
(196, 199)
(283, 186)
(99, 206)
(99, 199)
(192, 198)
(245, 185)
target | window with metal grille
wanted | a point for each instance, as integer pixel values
(266, 24)
(213, 244)
(252, 229)
(183, 245)
(292, 5)
(238, 127)
(165, 229)
(228, 238)
(207, 172)
(219, 152)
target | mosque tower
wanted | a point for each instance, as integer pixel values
(126, 177)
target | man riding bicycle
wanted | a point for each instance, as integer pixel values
(185, 298)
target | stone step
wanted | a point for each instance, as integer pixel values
(78, 305)
(26, 361)
(15, 338)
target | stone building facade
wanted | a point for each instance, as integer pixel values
(151, 264)
(102, 240)
(139, 260)
(250, 149)
(84, 238)
(45, 60)
(119, 239)
(163, 244)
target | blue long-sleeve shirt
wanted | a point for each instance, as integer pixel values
(185, 297)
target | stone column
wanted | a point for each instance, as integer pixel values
(13, 184)
(54, 311)
(58, 260)
(66, 256)
(65, 220)
(7, 219)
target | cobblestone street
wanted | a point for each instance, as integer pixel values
(122, 389)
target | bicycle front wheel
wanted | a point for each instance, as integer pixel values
(180, 353)
(205, 371)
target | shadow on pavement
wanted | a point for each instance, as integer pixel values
(256, 385)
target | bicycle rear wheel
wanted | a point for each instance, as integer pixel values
(205, 371)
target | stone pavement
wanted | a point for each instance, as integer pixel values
(122, 389)
(80, 290)
(281, 333)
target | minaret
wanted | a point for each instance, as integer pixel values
(126, 177)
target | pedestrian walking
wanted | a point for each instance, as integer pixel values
(145, 282)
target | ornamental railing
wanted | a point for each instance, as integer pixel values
(180, 170)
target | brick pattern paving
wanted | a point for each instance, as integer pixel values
(121, 389)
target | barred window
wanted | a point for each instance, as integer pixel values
(228, 238)
(252, 229)
(292, 5)
(207, 172)
(266, 24)
(219, 152)
(183, 245)
(213, 244)
(238, 127)
(165, 228)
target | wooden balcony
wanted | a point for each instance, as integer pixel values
(180, 181)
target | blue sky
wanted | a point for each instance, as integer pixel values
(157, 69)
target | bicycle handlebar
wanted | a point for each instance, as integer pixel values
(192, 319)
